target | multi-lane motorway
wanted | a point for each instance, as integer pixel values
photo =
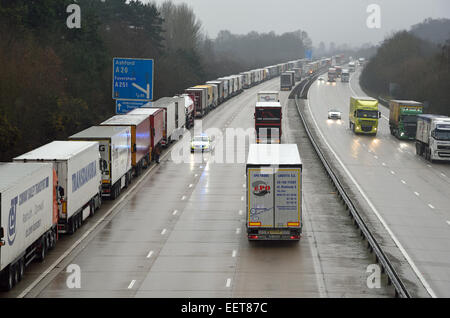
(408, 194)
(180, 230)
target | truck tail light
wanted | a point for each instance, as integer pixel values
(64, 207)
(295, 237)
(253, 237)
(293, 224)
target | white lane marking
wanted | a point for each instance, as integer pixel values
(431, 206)
(234, 253)
(183, 198)
(86, 234)
(190, 185)
(392, 172)
(448, 222)
(175, 212)
(376, 157)
(428, 165)
(131, 284)
(417, 193)
(196, 175)
(238, 230)
(150, 254)
(228, 284)
(403, 181)
(442, 174)
(383, 164)
(242, 198)
(163, 231)
(240, 212)
(243, 185)
(383, 222)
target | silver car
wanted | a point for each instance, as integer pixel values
(334, 114)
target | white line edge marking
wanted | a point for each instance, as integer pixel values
(175, 212)
(240, 212)
(183, 198)
(394, 238)
(86, 234)
(238, 230)
(403, 181)
(163, 231)
(431, 206)
(131, 284)
(228, 284)
(417, 193)
(448, 222)
(150, 254)
(233, 254)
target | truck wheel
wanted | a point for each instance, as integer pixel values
(9, 279)
(72, 226)
(42, 251)
(20, 268)
(111, 193)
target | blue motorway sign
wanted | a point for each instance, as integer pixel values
(308, 54)
(123, 106)
(132, 79)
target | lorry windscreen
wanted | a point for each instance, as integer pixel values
(268, 114)
(408, 118)
(361, 113)
(441, 134)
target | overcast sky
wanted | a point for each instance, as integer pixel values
(341, 21)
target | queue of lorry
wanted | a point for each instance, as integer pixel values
(52, 190)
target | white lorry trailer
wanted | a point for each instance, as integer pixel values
(268, 96)
(28, 217)
(433, 137)
(115, 151)
(274, 192)
(77, 165)
(175, 117)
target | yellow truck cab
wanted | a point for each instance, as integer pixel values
(364, 115)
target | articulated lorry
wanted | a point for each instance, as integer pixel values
(274, 192)
(331, 74)
(364, 115)
(115, 151)
(351, 66)
(28, 217)
(286, 82)
(200, 98)
(77, 166)
(345, 76)
(403, 118)
(433, 137)
(268, 116)
(140, 138)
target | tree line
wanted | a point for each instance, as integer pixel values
(56, 81)
(407, 66)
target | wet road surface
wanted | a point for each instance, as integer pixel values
(181, 232)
